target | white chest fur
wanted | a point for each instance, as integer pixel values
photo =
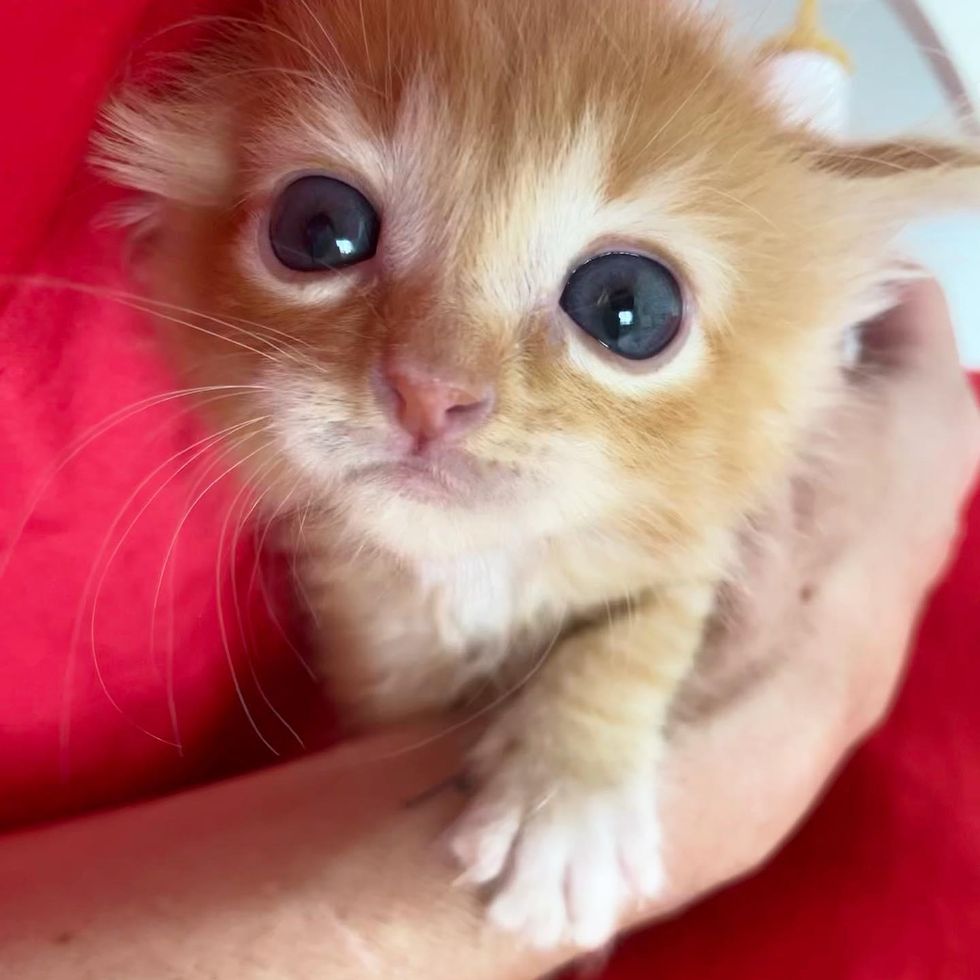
(400, 637)
(472, 597)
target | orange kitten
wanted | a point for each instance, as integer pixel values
(541, 296)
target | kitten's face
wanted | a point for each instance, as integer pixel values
(578, 225)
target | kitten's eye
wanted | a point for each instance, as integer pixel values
(629, 303)
(320, 223)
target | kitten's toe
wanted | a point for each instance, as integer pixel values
(569, 868)
(482, 838)
(641, 861)
(639, 844)
(531, 899)
(615, 862)
(594, 886)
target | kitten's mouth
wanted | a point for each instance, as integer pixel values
(449, 477)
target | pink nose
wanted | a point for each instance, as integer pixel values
(430, 408)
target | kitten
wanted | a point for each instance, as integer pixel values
(537, 298)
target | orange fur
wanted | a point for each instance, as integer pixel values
(503, 141)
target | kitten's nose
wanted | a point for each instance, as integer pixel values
(431, 408)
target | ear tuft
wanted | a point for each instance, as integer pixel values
(895, 158)
(171, 146)
(894, 183)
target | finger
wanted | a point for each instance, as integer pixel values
(916, 334)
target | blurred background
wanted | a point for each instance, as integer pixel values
(917, 69)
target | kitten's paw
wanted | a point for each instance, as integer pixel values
(568, 861)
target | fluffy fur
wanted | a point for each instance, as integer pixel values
(576, 559)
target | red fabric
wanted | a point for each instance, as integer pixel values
(95, 710)
(882, 882)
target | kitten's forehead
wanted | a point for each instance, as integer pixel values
(507, 220)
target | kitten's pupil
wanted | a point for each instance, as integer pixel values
(620, 304)
(321, 224)
(321, 239)
(629, 303)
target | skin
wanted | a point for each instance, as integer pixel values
(333, 866)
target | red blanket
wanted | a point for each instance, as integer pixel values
(125, 673)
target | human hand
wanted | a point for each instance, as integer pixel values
(810, 645)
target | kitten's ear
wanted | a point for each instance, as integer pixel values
(894, 158)
(897, 182)
(172, 146)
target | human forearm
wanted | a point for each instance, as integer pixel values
(322, 869)
(271, 875)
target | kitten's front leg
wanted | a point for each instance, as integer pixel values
(565, 819)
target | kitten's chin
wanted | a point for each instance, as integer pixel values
(454, 480)
(422, 522)
(423, 512)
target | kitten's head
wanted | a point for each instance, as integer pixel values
(502, 268)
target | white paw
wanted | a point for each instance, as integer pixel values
(568, 862)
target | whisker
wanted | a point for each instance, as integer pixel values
(204, 444)
(226, 319)
(268, 70)
(323, 31)
(296, 577)
(168, 557)
(75, 640)
(89, 436)
(169, 574)
(748, 207)
(195, 326)
(367, 46)
(254, 25)
(140, 303)
(388, 58)
(257, 576)
(670, 119)
(198, 21)
(237, 606)
(154, 307)
(194, 497)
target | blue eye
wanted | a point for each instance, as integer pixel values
(321, 224)
(629, 303)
